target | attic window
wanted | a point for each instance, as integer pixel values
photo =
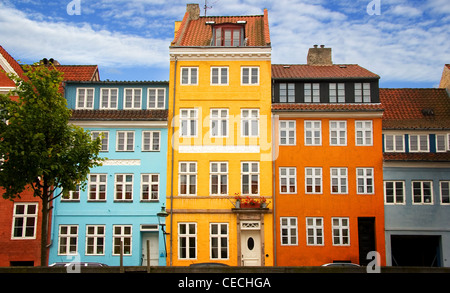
(228, 35)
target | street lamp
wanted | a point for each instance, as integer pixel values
(163, 214)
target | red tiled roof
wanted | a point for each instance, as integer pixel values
(335, 71)
(5, 81)
(198, 33)
(417, 157)
(117, 115)
(78, 72)
(305, 107)
(414, 108)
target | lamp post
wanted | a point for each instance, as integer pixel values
(163, 214)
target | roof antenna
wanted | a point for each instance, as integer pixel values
(206, 7)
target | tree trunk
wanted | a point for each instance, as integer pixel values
(44, 226)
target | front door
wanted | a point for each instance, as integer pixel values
(154, 248)
(251, 247)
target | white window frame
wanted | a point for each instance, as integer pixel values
(105, 139)
(288, 180)
(187, 236)
(447, 192)
(23, 219)
(149, 139)
(190, 174)
(188, 122)
(363, 132)
(74, 195)
(288, 231)
(136, 100)
(125, 147)
(311, 92)
(339, 179)
(86, 103)
(287, 92)
(250, 119)
(340, 227)
(218, 237)
(98, 247)
(441, 146)
(219, 117)
(67, 237)
(124, 234)
(420, 147)
(217, 173)
(192, 79)
(398, 143)
(98, 184)
(253, 73)
(313, 177)
(121, 181)
(422, 192)
(159, 98)
(315, 226)
(362, 92)
(288, 132)
(365, 182)
(249, 173)
(220, 75)
(148, 184)
(313, 132)
(395, 192)
(112, 101)
(338, 132)
(337, 93)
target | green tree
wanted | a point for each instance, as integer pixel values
(40, 148)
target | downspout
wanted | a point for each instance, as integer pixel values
(172, 158)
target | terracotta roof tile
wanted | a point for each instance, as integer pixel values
(414, 108)
(78, 72)
(117, 115)
(417, 157)
(5, 81)
(304, 71)
(305, 107)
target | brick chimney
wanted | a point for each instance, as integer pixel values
(193, 10)
(319, 56)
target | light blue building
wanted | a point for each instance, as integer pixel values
(416, 172)
(118, 209)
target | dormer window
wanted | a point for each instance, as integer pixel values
(228, 35)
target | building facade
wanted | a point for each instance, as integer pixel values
(219, 109)
(416, 139)
(117, 210)
(328, 163)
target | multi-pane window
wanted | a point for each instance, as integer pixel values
(362, 92)
(108, 98)
(394, 192)
(441, 142)
(219, 75)
(287, 132)
(250, 122)
(149, 187)
(123, 187)
(187, 240)
(188, 178)
(289, 230)
(250, 178)
(418, 143)
(394, 143)
(339, 181)
(422, 192)
(24, 221)
(125, 141)
(132, 98)
(287, 92)
(250, 75)
(288, 180)
(95, 239)
(338, 133)
(314, 231)
(85, 98)
(68, 240)
(189, 75)
(97, 187)
(219, 240)
(228, 36)
(104, 135)
(337, 93)
(312, 93)
(364, 133)
(313, 180)
(122, 236)
(219, 122)
(188, 122)
(364, 180)
(445, 192)
(156, 98)
(73, 195)
(151, 141)
(219, 178)
(313, 133)
(341, 231)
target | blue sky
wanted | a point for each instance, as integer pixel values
(406, 43)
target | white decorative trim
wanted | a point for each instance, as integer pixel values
(218, 149)
(122, 163)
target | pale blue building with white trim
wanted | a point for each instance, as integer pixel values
(122, 198)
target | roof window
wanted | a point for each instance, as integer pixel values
(228, 35)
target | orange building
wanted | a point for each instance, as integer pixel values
(328, 163)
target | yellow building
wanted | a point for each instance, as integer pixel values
(220, 111)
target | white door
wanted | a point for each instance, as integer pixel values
(154, 248)
(251, 247)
